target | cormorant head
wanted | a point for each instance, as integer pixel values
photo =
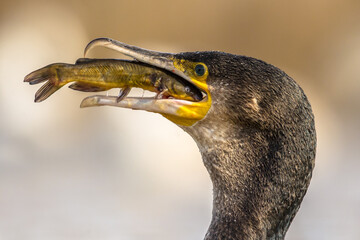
(255, 130)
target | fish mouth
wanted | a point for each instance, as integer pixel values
(180, 111)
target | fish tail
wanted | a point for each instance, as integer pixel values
(49, 74)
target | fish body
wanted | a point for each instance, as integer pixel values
(93, 75)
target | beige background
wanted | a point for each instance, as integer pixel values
(107, 173)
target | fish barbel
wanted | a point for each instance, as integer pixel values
(93, 75)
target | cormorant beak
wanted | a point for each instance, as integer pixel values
(179, 111)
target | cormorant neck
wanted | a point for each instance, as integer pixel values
(256, 189)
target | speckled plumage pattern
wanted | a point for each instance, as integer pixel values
(258, 144)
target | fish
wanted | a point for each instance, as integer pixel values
(95, 75)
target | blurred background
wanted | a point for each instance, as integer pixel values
(109, 173)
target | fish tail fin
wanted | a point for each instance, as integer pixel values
(49, 74)
(45, 91)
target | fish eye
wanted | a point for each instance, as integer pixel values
(200, 70)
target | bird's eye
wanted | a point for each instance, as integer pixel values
(199, 70)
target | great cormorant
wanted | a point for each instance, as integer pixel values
(254, 128)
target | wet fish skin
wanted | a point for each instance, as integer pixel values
(93, 75)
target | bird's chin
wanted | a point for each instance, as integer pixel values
(181, 112)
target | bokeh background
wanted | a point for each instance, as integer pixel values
(108, 173)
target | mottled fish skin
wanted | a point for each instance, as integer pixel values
(94, 75)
